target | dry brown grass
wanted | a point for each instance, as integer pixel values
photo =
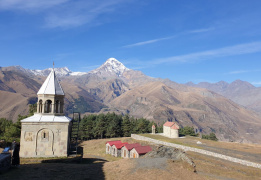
(97, 165)
(127, 169)
(214, 168)
(250, 152)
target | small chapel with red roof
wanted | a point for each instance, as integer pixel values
(171, 129)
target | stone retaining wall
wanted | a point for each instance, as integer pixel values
(186, 148)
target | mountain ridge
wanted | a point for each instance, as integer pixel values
(241, 92)
(122, 90)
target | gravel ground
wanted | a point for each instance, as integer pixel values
(150, 163)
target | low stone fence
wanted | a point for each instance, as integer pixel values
(186, 148)
(5, 161)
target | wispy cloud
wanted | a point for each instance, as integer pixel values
(29, 4)
(247, 48)
(238, 72)
(167, 38)
(81, 12)
(148, 42)
(65, 13)
(244, 71)
(201, 30)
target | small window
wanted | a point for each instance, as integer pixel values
(45, 135)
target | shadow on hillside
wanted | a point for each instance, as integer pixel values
(58, 168)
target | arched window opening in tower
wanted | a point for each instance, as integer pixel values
(58, 107)
(48, 106)
(40, 109)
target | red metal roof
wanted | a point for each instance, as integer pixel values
(169, 124)
(120, 145)
(130, 146)
(113, 142)
(175, 126)
(142, 149)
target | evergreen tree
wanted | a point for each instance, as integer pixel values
(159, 129)
(32, 109)
(86, 127)
(112, 125)
(212, 136)
(142, 126)
(187, 131)
(4, 124)
(126, 126)
(100, 126)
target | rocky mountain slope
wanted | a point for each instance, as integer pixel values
(113, 87)
(241, 92)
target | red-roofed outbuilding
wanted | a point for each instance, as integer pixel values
(136, 152)
(116, 149)
(109, 144)
(125, 150)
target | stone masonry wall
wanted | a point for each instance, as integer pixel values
(44, 139)
(186, 148)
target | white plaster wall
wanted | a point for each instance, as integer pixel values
(113, 150)
(132, 152)
(108, 149)
(174, 133)
(127, 153)
(166, 131)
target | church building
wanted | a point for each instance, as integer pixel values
(46, 133)
(171, 129)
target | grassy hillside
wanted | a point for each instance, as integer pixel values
(250, 152)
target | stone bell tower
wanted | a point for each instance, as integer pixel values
(46, 133)
(50, 97)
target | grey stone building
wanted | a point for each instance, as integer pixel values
(46, 133)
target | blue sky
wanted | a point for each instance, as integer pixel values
(189, 40)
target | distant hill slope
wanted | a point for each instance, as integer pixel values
(204, 110)
(113, 87)
(241, 92)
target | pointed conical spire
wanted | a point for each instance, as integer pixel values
(51, 85)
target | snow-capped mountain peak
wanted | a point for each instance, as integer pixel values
(64, 71)
(111, 67)
(58, 71)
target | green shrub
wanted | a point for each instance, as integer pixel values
(187, 131)
(211, 136)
